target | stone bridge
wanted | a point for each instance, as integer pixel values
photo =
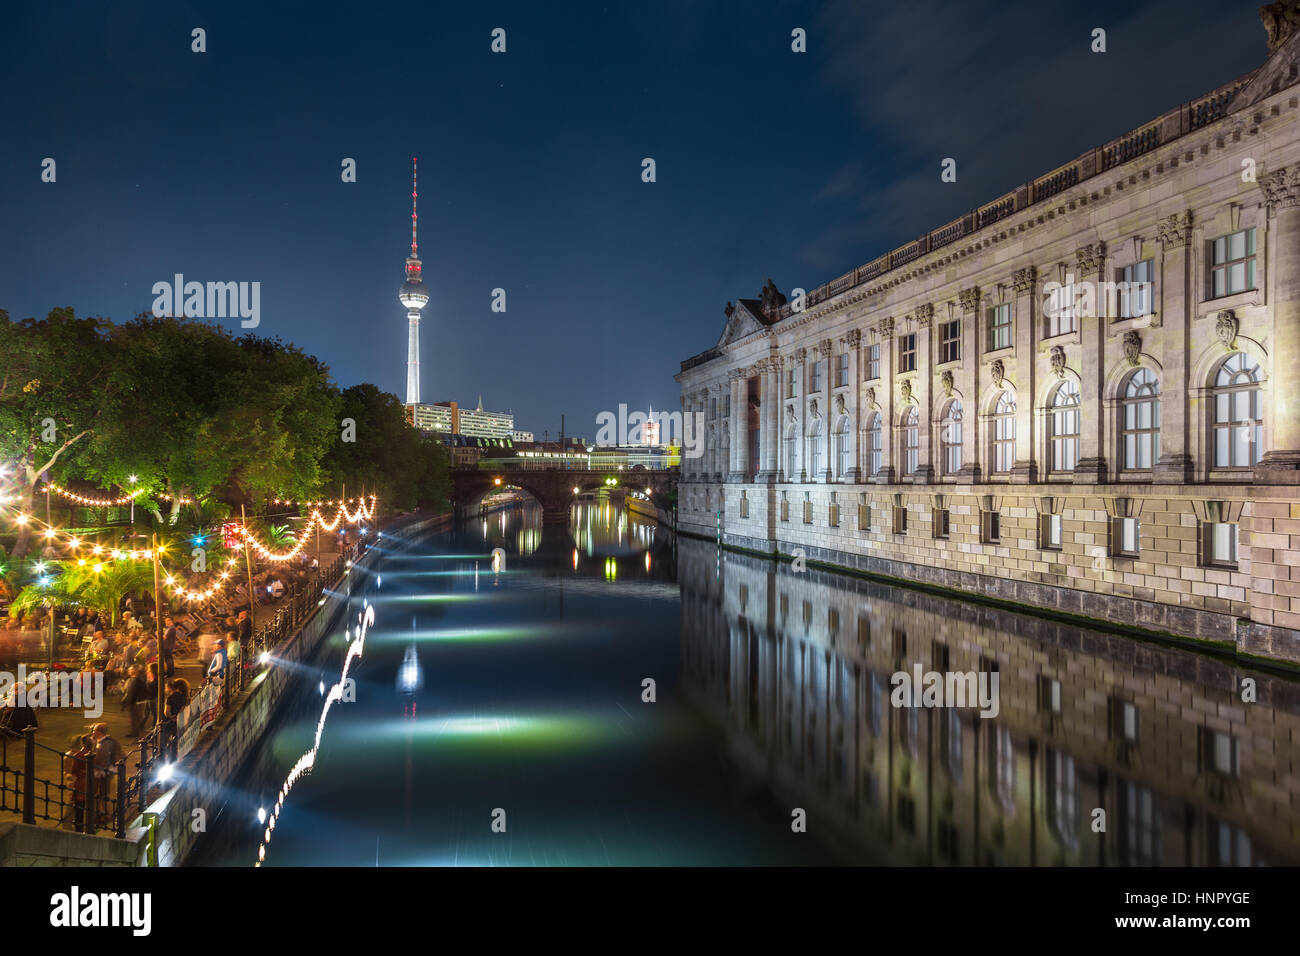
(556, 488)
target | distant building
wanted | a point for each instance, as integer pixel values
(521, 436)
(466, 450)
(450, 418)
(650, 430)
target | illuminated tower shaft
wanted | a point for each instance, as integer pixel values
(414, 296)
(413, 357)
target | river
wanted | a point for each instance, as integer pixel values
(612, 695)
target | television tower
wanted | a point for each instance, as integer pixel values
(414, 296)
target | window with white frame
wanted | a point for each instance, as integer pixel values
(999, 327)
(1050, 532)
(990, 527)
(942, 522)
(843, 453)
(950, 341)
(818, 375)
(1060, 309)
(950, 438)
(1238, 412)
(1136, 284)
(1232, 263)
(791, 456)
(1004, 433)
(1063, 427)
(874, 446)
(911, 424)
(1219, 544)
(792, 383)
(873, 361)
(815, 439)
(907, 353)
(841, 369)
(1126, 537)
(1140, 433)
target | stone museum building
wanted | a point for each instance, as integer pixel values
(1083, 396)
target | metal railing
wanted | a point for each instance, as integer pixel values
(160, 744)
(99, 803)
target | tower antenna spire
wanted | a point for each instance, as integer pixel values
(414, 296)
(415, 246)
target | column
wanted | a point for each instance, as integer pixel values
(884, 334)
(1095, 428)
(769, 438)
(1174, 466)
(720, 464)
(924, 390)
(853, 402)
(801, 422)
(968, 302)
(739, 424)
(823, 353)
(1024, 374)
(1281, 463)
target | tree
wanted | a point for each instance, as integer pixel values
(387, 456)
(54, 389)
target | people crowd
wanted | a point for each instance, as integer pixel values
(217, 636)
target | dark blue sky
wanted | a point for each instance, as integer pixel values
(225, 165)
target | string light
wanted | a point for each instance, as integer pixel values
(92, 502)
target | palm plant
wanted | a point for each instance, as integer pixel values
(98, 586)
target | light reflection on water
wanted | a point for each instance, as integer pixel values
(772, 693)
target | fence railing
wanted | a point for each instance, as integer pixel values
(104, 801)
(80, 799)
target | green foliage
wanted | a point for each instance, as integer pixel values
(388, 458)
(81, 584)
(194, 412)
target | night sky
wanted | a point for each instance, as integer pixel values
(225, 165)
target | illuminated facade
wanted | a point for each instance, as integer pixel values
(450, 418)
(1071, 397)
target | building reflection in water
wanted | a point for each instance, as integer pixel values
(796, 667)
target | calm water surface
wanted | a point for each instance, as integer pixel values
(772, 697)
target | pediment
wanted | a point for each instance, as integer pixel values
(1276, 70)
(742, 323)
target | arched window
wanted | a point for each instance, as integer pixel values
(1141, 428)
(815, 439)
(1063, 427)
(1004, 433)
(1238, 413)
(950, 438)
(842, 459)
(873, 445)
(791, 456)
(911, 440)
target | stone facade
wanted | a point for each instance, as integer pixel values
(1076, 396)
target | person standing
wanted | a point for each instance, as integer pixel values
(134, 700)
(108, 754)
(170, 636)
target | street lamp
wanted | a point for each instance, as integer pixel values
(590, 449)
(131, 479)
